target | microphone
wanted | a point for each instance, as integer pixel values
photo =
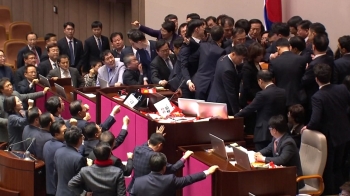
(177, 88)
(26, 155)
(9, 147)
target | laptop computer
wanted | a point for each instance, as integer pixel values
(44, 81)
(60, 90)
(209, 109)
(103, 83)
(219, 148)
(189, 106)
(242, 158)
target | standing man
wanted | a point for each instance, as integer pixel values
(51, 63)
(49, 38)
(31, 40)
(117, 42)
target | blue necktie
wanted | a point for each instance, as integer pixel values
(110, 74)
(99, 44)
(148, 56)
(72, 57)
(137, 55)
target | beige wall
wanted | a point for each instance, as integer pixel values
(331, 13)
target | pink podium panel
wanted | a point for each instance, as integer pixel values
(40, 102)
(141, 129)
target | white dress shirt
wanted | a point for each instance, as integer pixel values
(68, 40)
(63, 74)
(53, 67)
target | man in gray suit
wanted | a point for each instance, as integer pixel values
(64, 71)
(111, 183)
(112, 70)
(6, 89)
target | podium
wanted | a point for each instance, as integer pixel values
(21, 177)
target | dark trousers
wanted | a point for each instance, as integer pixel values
(249, 124)
(261, 145)
(186, 93)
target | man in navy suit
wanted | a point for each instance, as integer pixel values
(129, 49)
(55, 106)
(27, 84)
(29, 59)
(175, 77)
(158, 184)
(317, 29)
(43, 135)
(32, 129)
(94, 45)
(5, 71)
(282, 31)
(342, 65)
(71, 46)
(208, 54)
(31, 40)
(329, 116)
(225, 86)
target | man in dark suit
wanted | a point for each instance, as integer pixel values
(208, 54)
(94, 45)
(27, 85)
(147, 51)
(134, 72)
(143, 153)
(282, 31)
(117, 42)
(282, 150)
(51, 63)
(32, 129)
(31, 40)
(49, 38)
(238, 37)
(71, 46)
(111, 183)
(288, 69)
(57, 130)
(43, 135)
(55, 106)
(5, 71)
(163, 64)
(68, 161)
(129, 49)
(271, 101)
(317, 29)
(225, 87)
(329, 116)
(175, 77)
(29, 59)
(342, 65)
(298, 47)
(64, 71)
(156, 183)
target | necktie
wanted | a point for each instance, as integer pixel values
(110, 72)
(275, 146)
(36, 56)
(54, 65)
(137, 56)
(168, 63)
(72, 57)
(99, 44)
(148, 55)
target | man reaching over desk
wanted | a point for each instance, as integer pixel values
(282, 150)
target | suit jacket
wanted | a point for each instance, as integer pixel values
(267, 103)
(77, 49)
(15, 126)
(44, 56)
(225, 87)
(250, 84)
(6, 71)
(21, 52)
(207, 55)
(156, 184)
(49, 151)
(31, 132)
(20, 75)
(295, 133)
(329, 113)
(45, 67)
(142, 154)
(270, 50)
(288, 69)
(92, 52)
(102, 181)
(175, 77)
(131, 77)
(67, 163)
(160, 70)
(157, 34)
(329, 51)
(117, 74)
(41, 137)
(342, 67)
(81, 123)
(128, 50)
(23, 87)
(146, 63)
(77, 80)
(287, 154)
(188, 67)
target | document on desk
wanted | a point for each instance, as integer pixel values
(250, 154)
(90, 95)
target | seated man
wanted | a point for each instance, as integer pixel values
(133, 75)
(102, 178)
(27, 85)
(29, 59)
(282, 150)
(156, 183)
(112, 70)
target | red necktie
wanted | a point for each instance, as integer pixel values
(275, 146)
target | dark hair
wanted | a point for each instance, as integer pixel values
(219, 18)
(156, 138)
(344, 42)
(48, 36)
(31, 33)
(297, 112)
(130, 32)
(209, 18)
(177, 43)
(263, 32)
(28, 66)
(237, 31)
(323, 73)
(137, 36)
(96, 24)
(345, 187)
(265, 75)
(104, 54)
(108, 137)
(75, 107)
(52, 104)
(281, 29)
(56, 126)
(255, 49)
(93, 63)
(10, 105)
(318, 28)
(72, 135)
(271, 33)
(49, 46)
(279, 123)
(297, 42)
(239, 50)
(3, 81)
(160, 43)
(304, 24)
(192, 25)
(157, 162)
(193, 16)
(180, 27)
(321, 42)
(90, 130)
(115, 34)
(244, 24)
(62, 56)
(169, 26)
(27, 54)
(293, 21)
(229, 20)
(257, 21)
(170, 17)
(204, 21)
(283, 42)
(216, 33)
(68, 24)
(45, 119)
(102, 151)
(33, 113)
(346, 82)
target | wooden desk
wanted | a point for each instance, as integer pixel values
(235, 181)
(94, 111)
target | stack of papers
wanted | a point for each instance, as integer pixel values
(90, 95)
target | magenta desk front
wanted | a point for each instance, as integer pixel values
(88, 96)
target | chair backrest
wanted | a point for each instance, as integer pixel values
(313, 155)
(5, 17)
(40, 42)
(11, 48)
(19, 30)
(3, 36)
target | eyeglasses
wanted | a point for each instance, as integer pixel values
(270, 128)
(32, 72)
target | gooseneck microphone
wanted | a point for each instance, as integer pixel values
(9, 147)
(26, 155)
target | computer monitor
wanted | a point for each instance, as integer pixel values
(60, 90)
(103, 83)
(44, 81)
(209, 109)
(189, 106)
(242, 158)
(218, 146)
